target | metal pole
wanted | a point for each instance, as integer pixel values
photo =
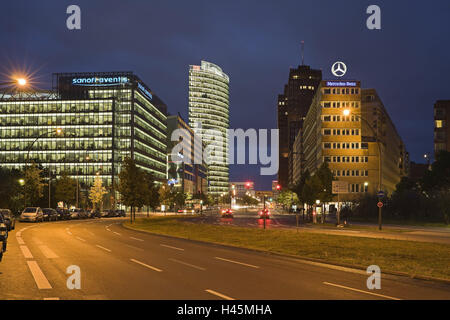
(264, 211)
(49, 188)
(379, 182)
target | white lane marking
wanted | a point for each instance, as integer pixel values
(69, 232)
(187, 264)
(20, 240)
(237, 262)
(55, 298)
(117, 233)
(146, 265)
(219, 294)
(170, 247)
(26, 252)
(37, 241)
(19, 234)
(106, 249)
(128, 245)
(362, 291)
(107, 229)
(48, 253)
(136, 239)
(81, 239)
(38, 275)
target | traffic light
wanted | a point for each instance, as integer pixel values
(248, 185)
(278, 187)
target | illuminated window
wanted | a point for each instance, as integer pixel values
(439, 123)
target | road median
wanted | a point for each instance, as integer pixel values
(412, 258)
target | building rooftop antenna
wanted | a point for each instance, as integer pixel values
(303, 49)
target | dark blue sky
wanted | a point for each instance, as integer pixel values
(255, 42)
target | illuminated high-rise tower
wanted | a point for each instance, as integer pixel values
(209, 110)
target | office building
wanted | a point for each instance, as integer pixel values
(293, 106)
(85, 127)
(186, 168)
(342, 128)
(209, 118)
(441, 126)
(242, 188)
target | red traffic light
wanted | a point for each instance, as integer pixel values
(248, 185)
(278, 187)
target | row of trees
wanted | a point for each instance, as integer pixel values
(20, 188)
(426, 199)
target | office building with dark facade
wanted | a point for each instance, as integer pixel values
(293, 105)
(186, 168)
(103, 118)
(441, 126)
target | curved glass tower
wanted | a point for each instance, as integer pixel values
(209, 116)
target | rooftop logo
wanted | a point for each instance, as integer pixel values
(145, 91)
(102, 81)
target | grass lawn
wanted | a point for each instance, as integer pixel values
(410, 257)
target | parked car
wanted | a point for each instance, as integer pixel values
(63, 213)
(105, 213)
(50, 214)
(3, 236)
(226, 213)
(121, 213)
(33, 214)
(76, 213)
(9, 218)
(186, 210)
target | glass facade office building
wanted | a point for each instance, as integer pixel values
(209, 110)
(104, 117)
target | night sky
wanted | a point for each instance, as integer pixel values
(255, 43)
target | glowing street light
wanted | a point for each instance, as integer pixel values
(22, 82)
(21, 182)
(346, 112)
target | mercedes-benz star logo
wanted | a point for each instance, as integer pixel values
(338, 69)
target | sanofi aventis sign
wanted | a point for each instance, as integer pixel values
(100, 81)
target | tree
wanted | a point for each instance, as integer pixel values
(287, 198)
(151, 194)
(33, 184)
(298, 188)
(96, 193)
(65, 189)
(248, 200)
(165, 195)
(132, 186)
(10, 190)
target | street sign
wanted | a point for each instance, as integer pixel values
(381, 193)
(339, 187)
(379, 204)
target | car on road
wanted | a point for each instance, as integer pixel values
(264, 214)
(32, 214)
(226, 213)
(9, 218)
(50, 214)
(186, 210)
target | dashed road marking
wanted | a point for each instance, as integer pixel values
(187, 264)
(81, 239)
(237, 262)
(20, 240)
(170, 247)
(26, 252)
(136, 239)
(146, 265)
(48, 253)
(117, 233)
(55, 298)
(38, 275)
(362, 291)
(219, 294)
(106, 249)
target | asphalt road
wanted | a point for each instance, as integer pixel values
(118, 263)
(288, 221)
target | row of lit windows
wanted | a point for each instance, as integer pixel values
(341, 132)
(340, 104)
(60, 119)
(345, 145)
(356, 187)
(336, 118)
(350, 173)
(33, 132)
(57, 144)
(346, 159)
(306, 87)
(54, 106)
(341, 91)
(43, 156)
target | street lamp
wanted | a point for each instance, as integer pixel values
(346, 112)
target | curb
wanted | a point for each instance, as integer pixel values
(325, 263)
